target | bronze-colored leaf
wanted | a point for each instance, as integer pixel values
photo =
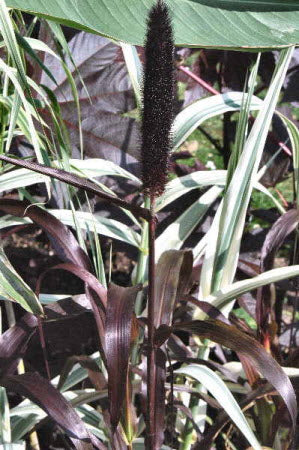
(173, 273)
(13, 342)
(279, 231)
(76, 181)
(236, 340)
(119, 318)
(41, 392)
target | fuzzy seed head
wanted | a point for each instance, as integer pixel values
(158, 93)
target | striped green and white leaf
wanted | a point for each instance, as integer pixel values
(11, 74)
(21, 425)
(135, 71)
(179, 230)
(105, 226)
(236, 368)
(13, 288)
(19, 178)
(5, 430)
(223, 296)
(97, 167)
(294, 138)
(222, 253)
(213, 383)
(181, 185)
(9, 37)
(196, 113)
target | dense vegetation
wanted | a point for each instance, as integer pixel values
(148, 277)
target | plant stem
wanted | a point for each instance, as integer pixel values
(151, 367)
(142, 258)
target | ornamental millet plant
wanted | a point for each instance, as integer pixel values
(157, 116)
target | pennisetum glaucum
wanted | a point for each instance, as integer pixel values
(157, 116)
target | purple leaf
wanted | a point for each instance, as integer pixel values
(13, 342)
(252, 350)
(119, 320)
(62, 239)
(106, 132)
(95, 292)
(75, 180)
(279, 231)
(173, 273)
(41, 392)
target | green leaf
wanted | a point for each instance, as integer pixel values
(243, 24)
(19, 178)
(196, 113)
(245, 345)
(213, 383)
(5, 430)
(22, 425)
(181, 185)
(108, 227)
(222, 253)
(220, 298)
(179, 230)
(13, 288)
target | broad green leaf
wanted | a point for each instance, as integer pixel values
(196, 113)
(213, 383)
(13, 288)
(242, 24)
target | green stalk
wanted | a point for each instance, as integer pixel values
(142, 259)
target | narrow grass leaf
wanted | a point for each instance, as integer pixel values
(5, 430)
(13, 288)
(87, 363)
(134, 69)
(61, 237)
(243, 344)
(223, 296)
(79, 182)
(19, 178)
(196, 113)
(104, 226)
(179, 230)
(97, 167)
(293, 131)
(213, 383)
(220, 265)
